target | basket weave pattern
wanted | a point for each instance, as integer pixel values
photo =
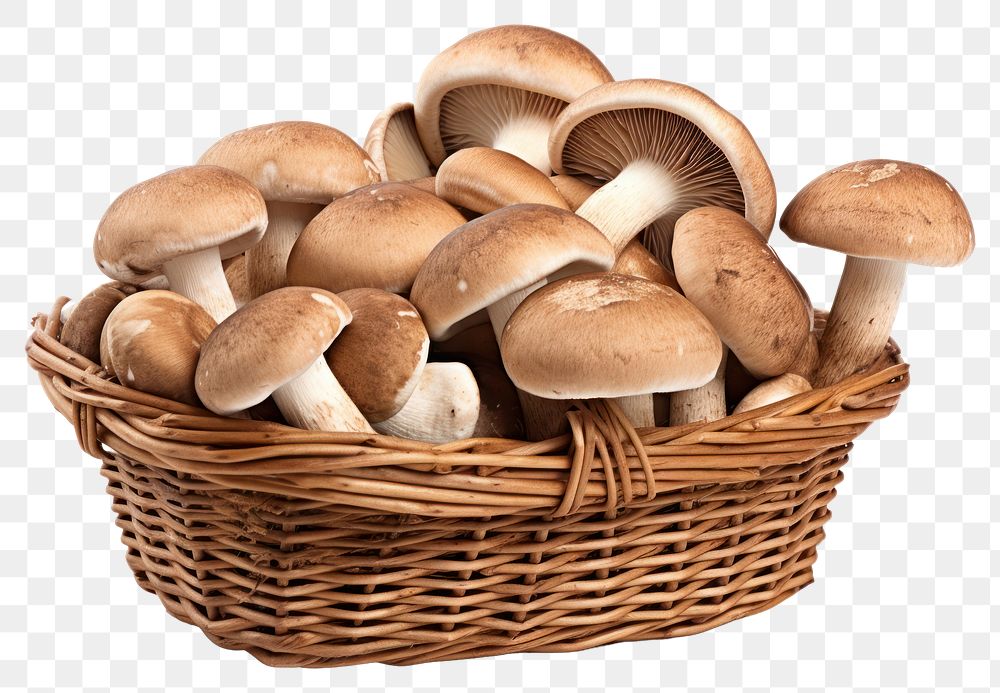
(326, 549)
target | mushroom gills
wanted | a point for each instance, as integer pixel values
(405, 159)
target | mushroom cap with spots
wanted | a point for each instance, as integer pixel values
(734, 277)
(470, 91)
(152, 340)
(891, 210)
(608, 335)
(375, 237)
(379, 357)
(295, 161)
(266, 344)
(178, 213)
(498, 254)
(394, 146)
(708, 153)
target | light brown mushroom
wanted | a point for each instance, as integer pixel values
(482, 180)
(394, 146)
(83, 320)
(773, 390)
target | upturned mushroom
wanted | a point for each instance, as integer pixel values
(659, 149)
(151, 342)
(882, 214)
(608, 335)
(493, 262)
(394, 146)
(482, 180)
(773, 390)
(735, 279)
(182, 224)
(274, 346)
(299, 167)
(374, 237)
(502, 88)
(83, 321)
(444, 406)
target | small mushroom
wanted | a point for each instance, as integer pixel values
(182, 224)
(639, 262)
(502, 88)
(375, 237)
(482, 180)
(298, 167)
(82, 325)
(274, 345)
(882, 214)
(444, 406)
(151, 342)
(394, 145)
(659, 149)
(773, 390)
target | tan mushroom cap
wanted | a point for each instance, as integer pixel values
(152, 341)
(394, 146)
(730, 273)
(81, 331)
(375, 237)
(711, 154)
(639, 262)
(492, 257)
(891, 210)
(541, 70)
(482, 179)
(177, 213)
(608, 335)
(295, 161)
(265, 344)
(379, 357)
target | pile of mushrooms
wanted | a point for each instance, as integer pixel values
(527, 233)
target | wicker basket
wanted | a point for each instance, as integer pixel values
(321, 549)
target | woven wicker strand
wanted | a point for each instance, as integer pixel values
(328, 549)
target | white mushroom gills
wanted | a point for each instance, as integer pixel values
(317, 402)
(861, 317)
(705, 403)
(266, 261)
(642, 193)
(199, 276)
(443, 407)
(526, 137)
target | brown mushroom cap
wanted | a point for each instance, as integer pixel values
(709, 154)
(483, 179)
(152, 340)
(730, 273)
(377, 236)
(378, 358)
(471, 90)
(295, 161)
(891, 210)
(178, 213)
(498, 254)
(394, 146)
(608, 335)
(639, 262)
(265, 344)
(81, 330)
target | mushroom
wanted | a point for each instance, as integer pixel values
(236, 277)
(82, 325)
(298, 167)
(608, 335)
(394, 146)
(882, 214)
(728, 271)
(482, 180)
(182, 224)
(499, 407)
(151, 342)
(274, 346)
(444, 406)
(502, 88)
(659, 149)
(493, 262)
(773, 390)
(635, 260)
(375, 237)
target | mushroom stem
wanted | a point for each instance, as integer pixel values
(315, 401)
(705, 403)
(639, 195)
(543, 418)
(266, 261)
(528, 139)
(861, 317)
(443, 407)
(638, 409)
(199, 276)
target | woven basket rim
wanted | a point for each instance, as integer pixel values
(603, 463)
